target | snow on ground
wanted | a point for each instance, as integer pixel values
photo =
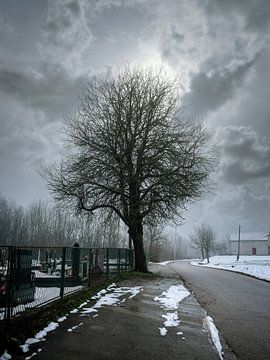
(164, 263)
(171, 319)
(163, 331)
(169, 301)
(112, 295)
(42, 296)
(5, 356)
(172, 297)
(257, 266)
(74, 327)
(61, 319)
(39, 336)
(210, 326)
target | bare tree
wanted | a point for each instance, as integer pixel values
(130, 152)
(154, 239)
(203, 239)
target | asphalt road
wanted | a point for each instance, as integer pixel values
(239, 305)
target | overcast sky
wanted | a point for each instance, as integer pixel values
(219, 48)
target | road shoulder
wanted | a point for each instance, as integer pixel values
(190, 309)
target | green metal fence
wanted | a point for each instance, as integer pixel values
(34, 276)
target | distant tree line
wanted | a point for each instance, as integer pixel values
(44, 224)
(41, 224)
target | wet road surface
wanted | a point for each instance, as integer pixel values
(239, 305)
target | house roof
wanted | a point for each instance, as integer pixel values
(250, 236)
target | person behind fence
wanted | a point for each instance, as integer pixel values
(75, 260)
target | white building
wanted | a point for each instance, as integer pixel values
(251, 243)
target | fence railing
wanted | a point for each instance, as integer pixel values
(33, 276)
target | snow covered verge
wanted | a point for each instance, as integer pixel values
(257, 266)
(112, 295)
(211, 327)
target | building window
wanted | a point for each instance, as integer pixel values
(254, 251)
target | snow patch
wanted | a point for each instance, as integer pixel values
(61, 319)
(163, 331)
(83, 304)
(28, 342)
(209, 324)
(169, 301)
(172, 297)
(89, 311)
(110, 297)
(38, 337)
(163, 263)
(171, 319)
(5, 356)
(30, 357)
(74, 327)
(74, 311)
(111, 286)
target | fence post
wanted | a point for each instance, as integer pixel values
(63, 267)
(10, 282)
(107, 264)
(130, 259)
(89, 267)
(75, 256)
(126, 259)
(118, 261)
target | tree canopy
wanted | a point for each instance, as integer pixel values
(132, 151)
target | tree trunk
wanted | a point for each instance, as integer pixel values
(136, 233)
(207, 255)
(202, 254)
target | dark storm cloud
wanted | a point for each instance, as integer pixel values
(172, 42)
(209, 92)
(253, 109)
(74, 7)
(52, 91)
(236, 173)
(66, 34)
(256, 13)
(59, 21)
(246, 156)
(241, 205)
